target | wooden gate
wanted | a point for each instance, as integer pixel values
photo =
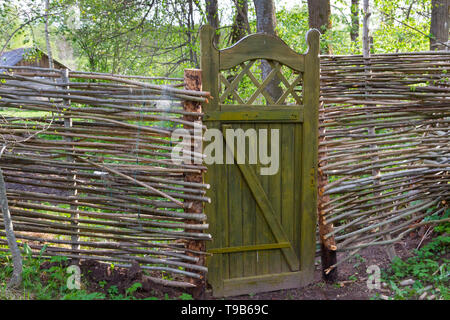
(263, 226)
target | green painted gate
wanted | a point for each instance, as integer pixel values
(263, 226)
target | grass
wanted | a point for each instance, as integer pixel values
(22, 113)
(41, 284)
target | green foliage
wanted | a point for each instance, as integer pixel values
(131, 290)
(429, 266)
(10, 21)
(443, 227)
(50, 283)
(292, 26)
(185, 296)
(403, 26)
(358, 260)
(161, 37)
(83, 295)
(353, 277)
(137, 37)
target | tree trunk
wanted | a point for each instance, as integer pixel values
(439, 24)
(365, 38)
(212, 15)
(241, 26)
(47, 36)
(191, 25)
(16, 278)
(266, 23)
(354, 32)
(319, 13)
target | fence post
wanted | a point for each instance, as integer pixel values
(193, 81)
(68, 124)
(327, 245)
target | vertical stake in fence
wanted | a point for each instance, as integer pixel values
(327, 245)
(68, 124)
(193, 81)
(390, 250)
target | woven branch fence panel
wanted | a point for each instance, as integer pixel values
(384, 146)
(89, 173)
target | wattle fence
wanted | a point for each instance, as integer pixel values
(384, 156)
(87, 160)
(89, 173)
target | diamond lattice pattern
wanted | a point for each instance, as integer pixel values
(246, 84)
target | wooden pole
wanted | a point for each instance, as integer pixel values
(193, 81)
(365, 38)
(327, 245)
(390, 250)
(16, 278)
(68, 124)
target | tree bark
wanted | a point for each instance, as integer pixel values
(47, 36)
(212, 15)
(439, 24)
(16, 278)
(365, 38)
(354, 32)
(193, 81)
(191, 26)
(266, 22)
(319, 13)
(241, 26)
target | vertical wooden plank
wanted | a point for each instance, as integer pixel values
(249, 223)
(193, 81)
(264, 234)
(235, 219)
(215, 175)
(68, 124)
(311, 87)
(298, 187)
(222, 221)
(240, 258)
(297, 166)
(287, 166)
(275, 195)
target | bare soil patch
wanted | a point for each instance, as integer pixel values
(100, 277)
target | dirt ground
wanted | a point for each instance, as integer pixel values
(351, 283)
(100, 277)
